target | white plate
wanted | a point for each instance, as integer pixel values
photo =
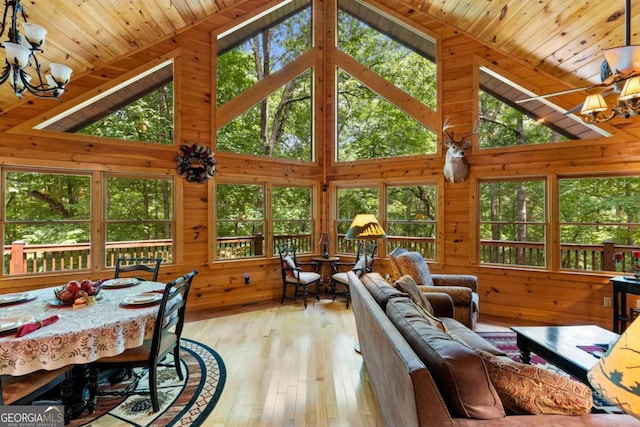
(10, 323)
(11, 298)
(119, 283)
(142, 299)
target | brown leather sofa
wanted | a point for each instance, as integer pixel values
(462, 288)
(408, 393)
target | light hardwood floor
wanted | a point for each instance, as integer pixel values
(287, 366)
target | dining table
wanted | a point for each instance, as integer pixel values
(122, 317)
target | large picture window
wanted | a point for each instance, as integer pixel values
(47, 224)
(411, 218)
(599, 216)
(240, 220)
(291, 217)
(139, 218)
(351, 202)
(279, 124)
(513, 223)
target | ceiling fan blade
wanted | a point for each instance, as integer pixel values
(562, 92)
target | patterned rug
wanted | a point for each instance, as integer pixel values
(506, 341)
(186, 402)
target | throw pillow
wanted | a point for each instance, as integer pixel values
(413, 264)
(408, 285)
(379, 289)
(529, 389)
(457, 370)
(289, 265)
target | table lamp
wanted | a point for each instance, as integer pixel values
(325, 242)
(363, 227)
(616, 376)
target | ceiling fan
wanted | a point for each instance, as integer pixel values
(619, 73)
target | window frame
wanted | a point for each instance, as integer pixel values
(267, 184)
(105, 221)
(382, 189)
(549, 249)
(97, 222)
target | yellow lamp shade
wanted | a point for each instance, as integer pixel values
(365, 226)
(593, 104)
(616, 376)
(631, 89)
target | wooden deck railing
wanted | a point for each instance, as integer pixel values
(20, 258)
(573, 256)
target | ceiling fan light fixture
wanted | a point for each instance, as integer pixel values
(631, 89)
(623, 59)
(594, 104)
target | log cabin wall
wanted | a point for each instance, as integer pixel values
(547, 296)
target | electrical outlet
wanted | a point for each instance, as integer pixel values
(246, 279)
(607, 301)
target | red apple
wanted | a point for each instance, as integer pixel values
(73, 286)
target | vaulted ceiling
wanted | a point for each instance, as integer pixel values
(563, 38)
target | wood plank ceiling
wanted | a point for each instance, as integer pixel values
(563, 38)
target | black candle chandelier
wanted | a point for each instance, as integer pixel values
(22, 68)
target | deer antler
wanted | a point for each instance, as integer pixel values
(451, 135)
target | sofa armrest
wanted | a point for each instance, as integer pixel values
(465, 280)
(460, 295)
(442, 304)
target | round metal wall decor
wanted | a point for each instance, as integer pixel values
(196, 163)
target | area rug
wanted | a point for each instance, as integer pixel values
(186, 402)
(506, 341)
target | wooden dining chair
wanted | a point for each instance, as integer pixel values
(166, 339)
(362, 264)
(293, 276)
(149, 265)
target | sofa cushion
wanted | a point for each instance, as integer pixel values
(469, 337)
(408, 285)
(528, 389)
(458, 370)
(379, 289)
(413, 264)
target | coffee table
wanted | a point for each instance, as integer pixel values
(559, 345)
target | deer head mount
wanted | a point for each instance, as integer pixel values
(456, 166)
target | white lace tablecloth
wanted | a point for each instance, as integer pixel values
(81, 335)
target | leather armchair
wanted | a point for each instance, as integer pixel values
(462, 288)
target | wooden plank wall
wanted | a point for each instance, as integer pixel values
(546, 296)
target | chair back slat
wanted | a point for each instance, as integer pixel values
(149, 265)
(171, 312)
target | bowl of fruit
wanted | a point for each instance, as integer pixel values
(77, 292)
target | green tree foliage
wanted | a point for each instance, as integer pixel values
(411, 210)
(593, 210)
(512, 210)
(291, 210)
(43, 208)
(398, 64)
(139, 209)
(279, 125)
(503, 126)
(239, 210)
(369, 127)
(148, 119)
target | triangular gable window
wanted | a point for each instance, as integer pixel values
(140, 109)
(504, 122)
